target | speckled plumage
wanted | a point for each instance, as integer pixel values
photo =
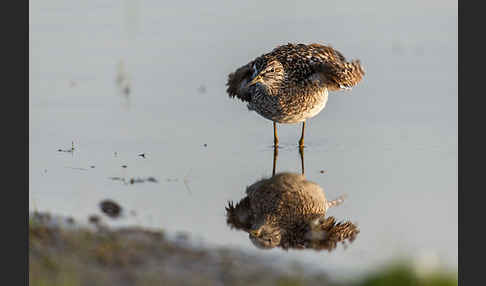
(288, 211)
(295, 79)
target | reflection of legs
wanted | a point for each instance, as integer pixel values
(275, 155)
(275, 137)
(301, 152)
(301, 141)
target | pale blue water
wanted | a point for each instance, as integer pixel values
(390, 144)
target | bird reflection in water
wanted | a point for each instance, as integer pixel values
(288, 211)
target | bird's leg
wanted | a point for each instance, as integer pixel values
(301, 141)
(275, 137)
(301, 152)
(275, 155)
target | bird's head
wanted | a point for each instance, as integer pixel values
(270, 76)
(265, 237)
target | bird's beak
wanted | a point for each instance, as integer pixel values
(255, 232)
(258, 78)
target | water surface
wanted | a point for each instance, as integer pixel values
(390, 144)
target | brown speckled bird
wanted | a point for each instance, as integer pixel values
(291, 83)
(289, 211)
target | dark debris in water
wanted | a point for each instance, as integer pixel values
(110, 208)
(132, 181)
(142, 180)
(77, 168)
(202, 89)
(71, 150)
(322, 171)
(94, 219)
(182, 236)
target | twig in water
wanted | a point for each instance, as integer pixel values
(186, 182)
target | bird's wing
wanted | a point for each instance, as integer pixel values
(238, 80)
(330, 67)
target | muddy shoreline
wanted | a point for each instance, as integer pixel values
(61, 252)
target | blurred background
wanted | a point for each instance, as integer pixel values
(122, 90)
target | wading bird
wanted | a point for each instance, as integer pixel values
(290, 84)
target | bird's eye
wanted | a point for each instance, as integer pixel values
(272, 70)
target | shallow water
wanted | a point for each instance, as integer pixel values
(390, 144)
